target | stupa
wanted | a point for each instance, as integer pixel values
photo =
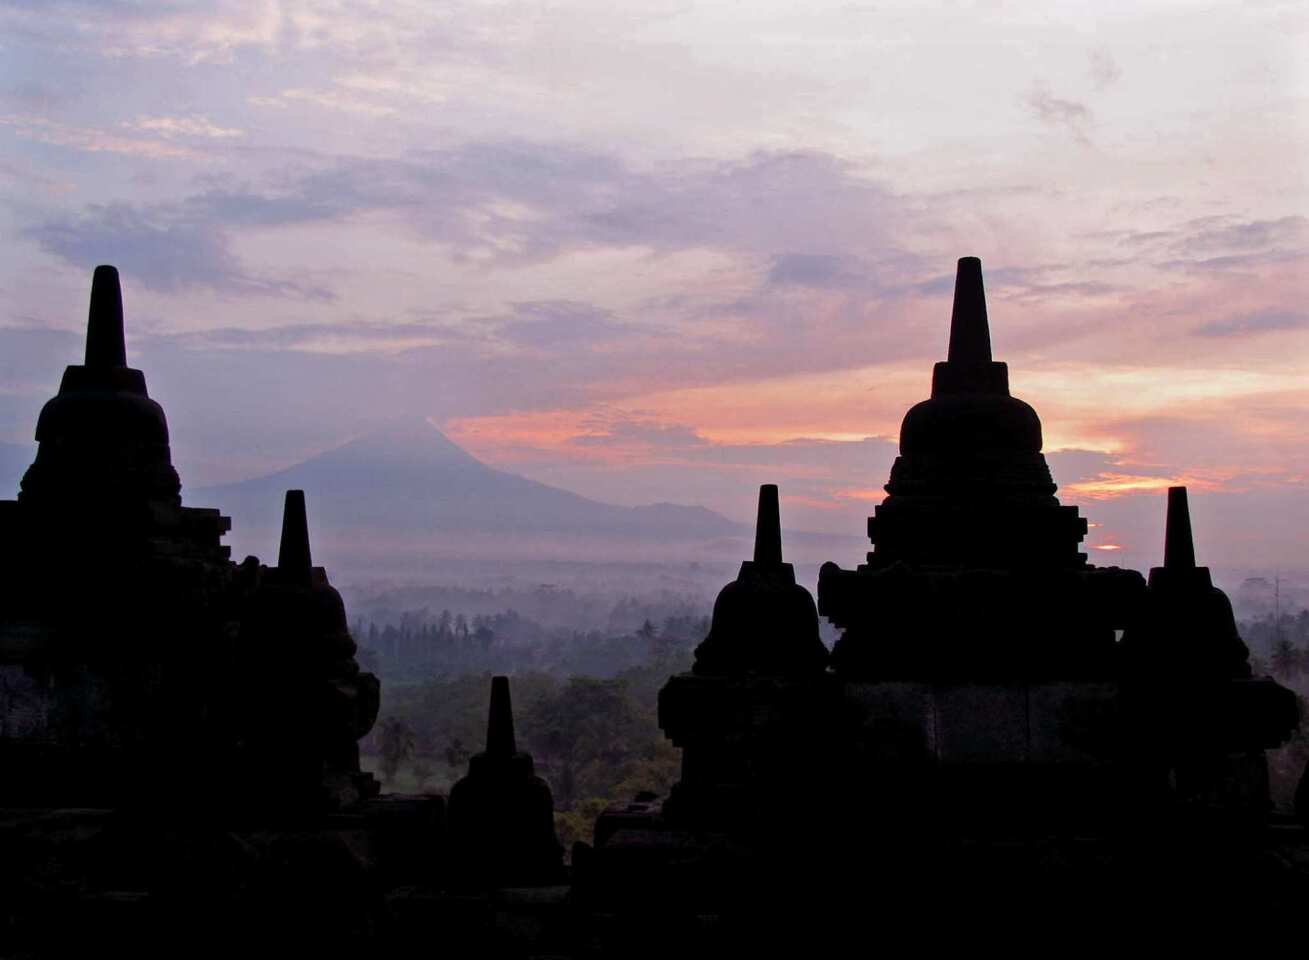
(103, 470)
(998, 728)
(501, 814)
(178, 733)
(1202, 720)
(757, 706)
(105, 570)
(763, 621)
(141, 655)
(1187, 627)
(312, 702)
(976, 571)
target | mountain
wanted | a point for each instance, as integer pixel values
(408, 487)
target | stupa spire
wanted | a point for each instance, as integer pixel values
(293, 554)
(1179, 547)
(500, 721)
(105, 346)
(768, 527)
(970, 335)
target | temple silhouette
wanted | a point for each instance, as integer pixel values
(1002, 729)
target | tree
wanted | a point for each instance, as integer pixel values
(397, 746)
(1286, 659)
(422, 771)
(586, 734)
(456, 754)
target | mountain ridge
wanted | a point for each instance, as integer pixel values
(409, 480)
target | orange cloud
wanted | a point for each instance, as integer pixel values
(1107, 486)
(91, 140)
(873, 494)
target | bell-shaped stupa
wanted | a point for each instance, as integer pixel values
(501, 815)
(763, 621)
(976, 569)
(313, 703)
(102, 439)
(971, 486)
(1188, 628)
(103, 474)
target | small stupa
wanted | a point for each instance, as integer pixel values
(751, 715)
(501, 815)
(1188, 684)
(313, 702)
(763, 622)
(1188, 627)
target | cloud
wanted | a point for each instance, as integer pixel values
(1111, 484)
(193, 126)
(1055, 111)
(630, 432)
(1035, 284)
(353, 337)
(1216, 244)
(568, 324)
(1103, 68)
(537, 325)
(33, 357)
(346, 101)
(515, 201)
(1224, 234)
(1051, 109)
(510, 203)
(91, 139)
(1220, 234)
(1249, 324)
(813, 270)
(160, 247)
(189, 31)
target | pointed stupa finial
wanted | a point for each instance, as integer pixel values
(1179, 547)
(970, 335)
(293, 554)
(768, 527)
(500, 721)
(105, 346)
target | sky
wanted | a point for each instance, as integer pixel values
(667, 251)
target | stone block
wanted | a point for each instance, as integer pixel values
(892, 722)
(1074, 723)
(981, 723)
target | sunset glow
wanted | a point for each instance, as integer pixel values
(654, 253)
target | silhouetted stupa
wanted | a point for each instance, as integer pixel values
(1187, 684)
(140, 652)
(314, 703)
(105, 573)
(179, 745)
(762, 659)
(971, 487)
(502, 829)
(103, 460)
(980, 711)
(763, 621)
(975, 570)
(1187, 627)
